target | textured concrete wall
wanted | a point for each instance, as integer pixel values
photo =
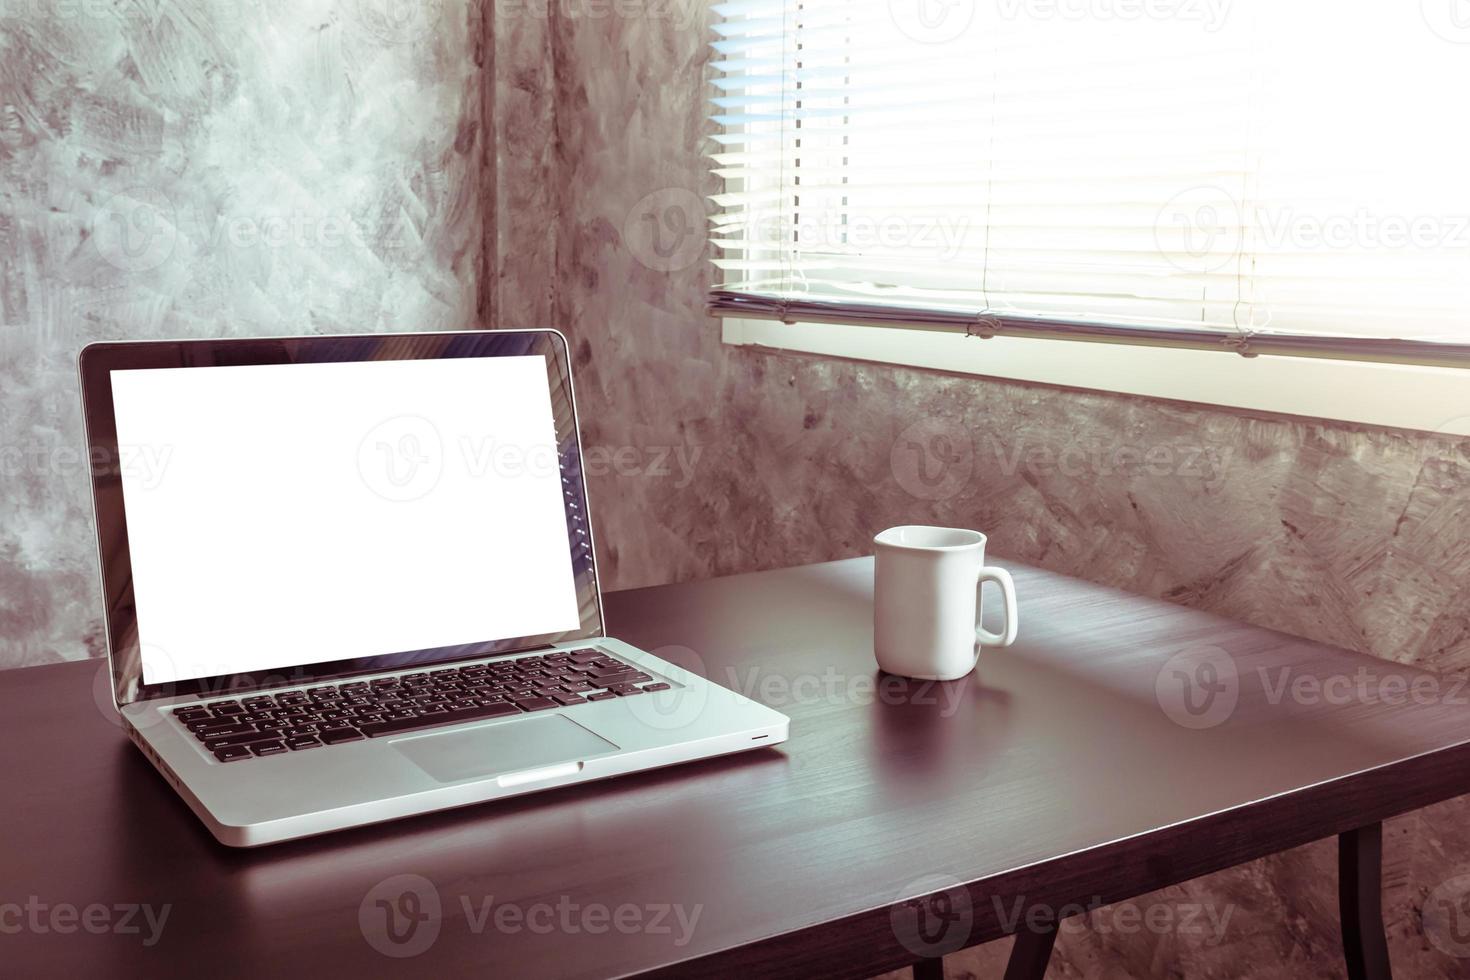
(178, 168)
(1348, 535)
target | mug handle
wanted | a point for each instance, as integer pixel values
(1002, 578)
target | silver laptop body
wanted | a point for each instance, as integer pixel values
(311, 550)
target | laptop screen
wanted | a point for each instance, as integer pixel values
(289, 514)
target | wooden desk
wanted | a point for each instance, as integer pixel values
(900, 822)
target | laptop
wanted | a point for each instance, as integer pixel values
(351, 579)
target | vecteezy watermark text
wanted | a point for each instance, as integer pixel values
(936, 458)
(1363, 686)
(143, 465)
(1202, 919)
(682, 14)
(1200, 687)
(834, 687)
(402, 916)
(403, 458)
(40, 917)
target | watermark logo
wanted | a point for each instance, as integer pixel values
(401, 916)
(1206, 228)
(933, 459)
(665, 230)
(1201, 229)
(399, 21)
(159, 667)
(1447, 916)
(932, 21)
(402, 458)
(104, 696)
(136, 230)
(1455, 428)
(937, 923)
(1449, 19)
(683, 703)
(1199, 687)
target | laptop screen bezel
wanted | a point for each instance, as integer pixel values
(98, 361)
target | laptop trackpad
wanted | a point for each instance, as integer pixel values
(516, 751)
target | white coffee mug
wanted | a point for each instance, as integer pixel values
(926, 602)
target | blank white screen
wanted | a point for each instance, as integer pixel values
(304, 513)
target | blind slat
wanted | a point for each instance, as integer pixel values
(1231, 173)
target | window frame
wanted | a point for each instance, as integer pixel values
(1415, 397)
(1401, 396)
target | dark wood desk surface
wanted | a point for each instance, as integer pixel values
(1057, 773)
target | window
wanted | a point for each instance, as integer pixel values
(1250, 175)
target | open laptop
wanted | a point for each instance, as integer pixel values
(350, 579)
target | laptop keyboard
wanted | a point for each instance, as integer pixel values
(350, 711)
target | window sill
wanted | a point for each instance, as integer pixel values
(1394, 395)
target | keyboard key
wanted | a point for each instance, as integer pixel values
(535, 704)
(242, 738)
(205, 731)
(613, 680)
(328, 714)
(476, 713)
